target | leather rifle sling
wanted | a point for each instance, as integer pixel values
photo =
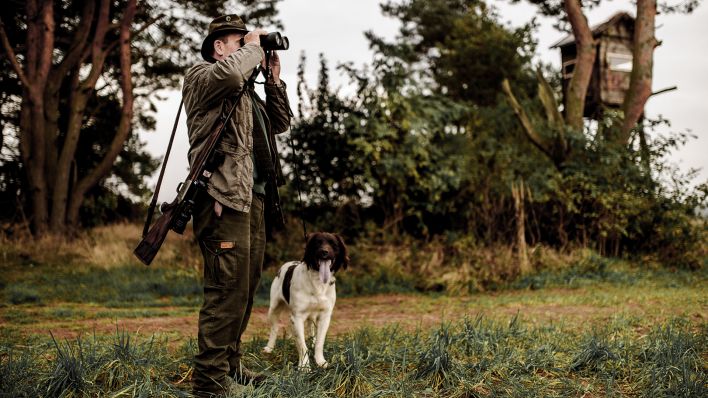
(153, 203)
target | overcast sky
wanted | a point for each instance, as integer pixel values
(336, 28)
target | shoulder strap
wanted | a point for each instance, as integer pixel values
(153, 203)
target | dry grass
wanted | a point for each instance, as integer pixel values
(102, 247)
(457, 267)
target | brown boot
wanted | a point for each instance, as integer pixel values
(245, 376)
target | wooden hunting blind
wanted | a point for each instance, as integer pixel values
(612, 67)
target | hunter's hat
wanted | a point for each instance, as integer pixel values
(220, 26)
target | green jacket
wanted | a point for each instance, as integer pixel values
(208, 90)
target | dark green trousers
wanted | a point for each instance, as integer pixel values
(233, 246)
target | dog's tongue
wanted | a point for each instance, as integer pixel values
(325, 273)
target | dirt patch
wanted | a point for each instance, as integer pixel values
(406, 311)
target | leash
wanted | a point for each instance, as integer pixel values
(297, 185)
(268, 74)
(153, 203)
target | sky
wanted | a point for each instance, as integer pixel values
(336, 28)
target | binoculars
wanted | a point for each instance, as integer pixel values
(274, 41)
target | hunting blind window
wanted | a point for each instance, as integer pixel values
(568, 68)
(619, 62)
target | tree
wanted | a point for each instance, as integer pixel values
(446, 46)
(404, 141)
(427, 146)
(74, 58)
(571, 12)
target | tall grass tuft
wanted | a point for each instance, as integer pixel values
(351, 366)
(116, 367)
(290, 382)
(435, 360)
(674, 362)
(70, 375)
(16, 367)
(594, 352)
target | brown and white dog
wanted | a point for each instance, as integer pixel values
(306, 288)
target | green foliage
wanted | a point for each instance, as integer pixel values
(20, 294)
(451, 39)
(119, 286)
(426, 147)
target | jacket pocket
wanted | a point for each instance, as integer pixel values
(238, 170)
(234, 177)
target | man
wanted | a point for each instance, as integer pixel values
(229, 218)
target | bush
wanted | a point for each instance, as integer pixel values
(21, 294)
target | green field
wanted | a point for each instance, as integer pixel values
(85, 326)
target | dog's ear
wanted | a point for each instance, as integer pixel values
(309, 257)
(342, 260)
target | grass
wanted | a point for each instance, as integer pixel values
(85, 319)
(473, 357)
(99, 268)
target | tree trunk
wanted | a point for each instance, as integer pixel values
(71, 140)
(80, 92)
(60, 164)
(585, 58)
(38, 61)
(517, 191)
(124, 126)
(644, 151)
(642, 66)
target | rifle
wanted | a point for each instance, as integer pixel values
(176, 214)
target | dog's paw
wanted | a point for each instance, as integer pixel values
(304, 365)
(324, 364)
(267, 350)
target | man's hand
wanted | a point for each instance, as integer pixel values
(254, 36)
(274, 63)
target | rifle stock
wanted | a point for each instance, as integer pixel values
(151, 243)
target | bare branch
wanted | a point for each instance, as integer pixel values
(528, 128)
(138, 32)
(11, 55)
(97, 51)
(78, 46)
